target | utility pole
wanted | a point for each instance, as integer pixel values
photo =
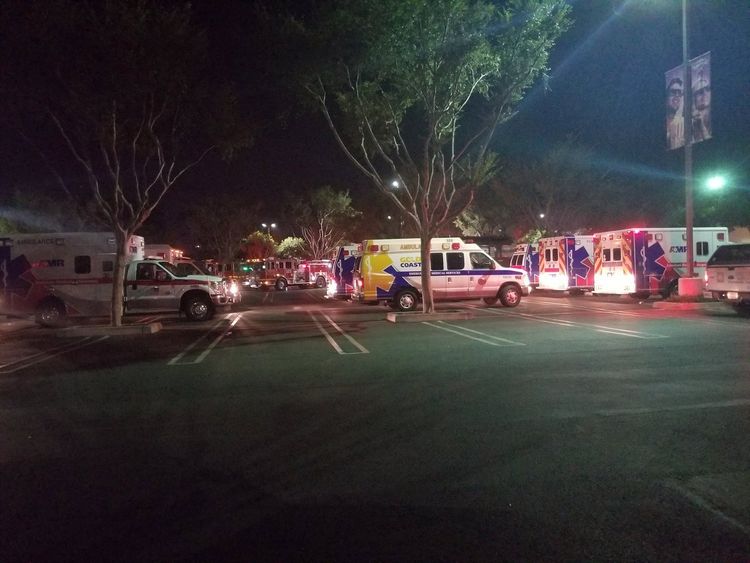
(687, 109)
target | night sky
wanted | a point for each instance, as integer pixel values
(606, 88)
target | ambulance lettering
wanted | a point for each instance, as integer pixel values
(678, 249)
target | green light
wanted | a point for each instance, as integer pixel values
(716, 182)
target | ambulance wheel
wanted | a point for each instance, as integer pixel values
(281, 284)
(320, 282)
(198, 308)
(407, 300)
(510, 295)
(50, 312)
(489, 300)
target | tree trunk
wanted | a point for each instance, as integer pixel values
(428, 305)
(122, 239)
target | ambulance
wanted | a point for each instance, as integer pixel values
(74, 269)
(648, 261)
(566, 263)
(526, 257)
(163, 252)
(341, 285)
(390, 272)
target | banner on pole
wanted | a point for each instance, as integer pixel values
(675, 80)
(700, 74)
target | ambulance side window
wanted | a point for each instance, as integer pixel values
(82, 264)
(436, 261)
(455, 260)
(701, 248)
(144, 272)
(480, 261)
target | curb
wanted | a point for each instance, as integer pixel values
(414, 317)
(684, 305)
(100, 330)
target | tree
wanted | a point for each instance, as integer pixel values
(413, 91)
(220, 223)
(292, 247)
(323, 219)
(125, 86)
(258, 245)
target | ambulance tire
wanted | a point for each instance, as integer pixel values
(510, 295)
(320, 282)
(198, 308)
(281, 284)
(406, 300)
(50, 312)
(489, 301)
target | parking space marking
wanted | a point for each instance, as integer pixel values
(463, 331)
(176, 360)
(40, 357)
(332, 341)
(574, 324)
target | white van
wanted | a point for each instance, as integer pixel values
(390, 271)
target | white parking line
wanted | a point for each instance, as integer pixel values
(176, 360)
(574, 324)
(330, 339)
(44, 356)
(463, 332)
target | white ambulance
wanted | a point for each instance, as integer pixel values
(71, 268)
(390, 271)
(566, 263)
(648, 261)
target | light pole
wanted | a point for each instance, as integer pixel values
(687, 116)
(268, 227)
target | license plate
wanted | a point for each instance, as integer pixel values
(732, 295)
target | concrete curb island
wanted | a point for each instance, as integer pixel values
(101, 330)
(417, 317)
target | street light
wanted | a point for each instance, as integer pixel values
(716, 182)
(268, 227)
(395, 184)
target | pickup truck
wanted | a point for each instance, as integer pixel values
(727, 276)
(156, 286)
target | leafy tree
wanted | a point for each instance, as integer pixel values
(561, 192)
(125, 87)
(258, 245)
(324, 220)
(292, 247)
(413, 91)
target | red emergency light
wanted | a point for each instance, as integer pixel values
(374, 248)
(455, 246)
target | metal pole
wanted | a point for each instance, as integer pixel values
(687, 109)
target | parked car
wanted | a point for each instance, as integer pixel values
(727, 276)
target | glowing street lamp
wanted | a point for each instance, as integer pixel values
(395, 184)
(716, 182)
(268, 227)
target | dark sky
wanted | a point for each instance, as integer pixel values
(606, 87)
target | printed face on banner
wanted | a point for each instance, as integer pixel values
(700, 73)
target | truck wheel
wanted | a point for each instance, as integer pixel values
(198, 308)
(281, 284)
(50, 312)
(320, 282)
(489, 300)
(510, 295)
(407, 300)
